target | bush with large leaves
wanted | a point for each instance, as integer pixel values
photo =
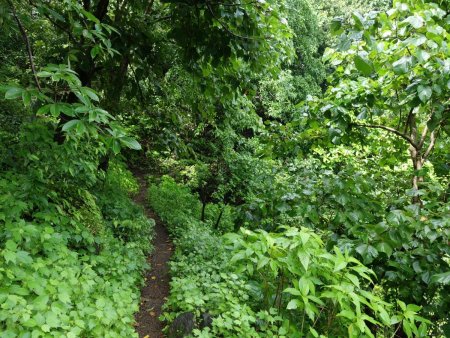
(392, 76)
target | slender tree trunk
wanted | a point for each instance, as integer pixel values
(216, 226)
(416, 157)
(417, 162)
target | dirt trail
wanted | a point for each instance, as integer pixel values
(156, 289)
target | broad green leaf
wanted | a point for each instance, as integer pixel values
(336, 26)
(70, 125)
(238, 256)
(23, 257)
(304, 236)
(51, 318)
(418, 41)
(346, 314)
(384, 247)
(363, 65)
(262, 262)
(304, 259)
(402, 65)
(339, 265)
(91, 93)
(424, 93)
(313, 332)
(10, 245)
(415, 20)
(44, 74)
(40, 302)
(441, 278)
(368, 252)
(26, 98)
(353, 279)
(293, 304)
(95, 51)
(90, 16)
(293, 291)
(13, 93)
(9, 256)
(407, 328)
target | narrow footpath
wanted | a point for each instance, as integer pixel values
(156, 289)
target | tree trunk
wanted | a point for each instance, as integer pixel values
(216, 226)
(417, 161)
(118, 79)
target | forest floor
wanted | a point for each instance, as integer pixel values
(156, 289)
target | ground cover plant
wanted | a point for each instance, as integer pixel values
(70, 270)
(260, 284)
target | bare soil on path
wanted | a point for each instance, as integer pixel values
(156, 289)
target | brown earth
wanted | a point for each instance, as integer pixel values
(156, 289)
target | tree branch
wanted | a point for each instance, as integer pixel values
(221, 3)
(27, 43)
(225, 27)
(422, 138)
(431, 145)
(407, 120)
(57, 25)
(391, 130)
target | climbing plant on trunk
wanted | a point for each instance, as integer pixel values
(392, 73)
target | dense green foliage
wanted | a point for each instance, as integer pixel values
(72, 260)
(259, 284)
(298, 152)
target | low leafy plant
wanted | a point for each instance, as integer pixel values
(70, 262)
(318, 292)
(260, 284)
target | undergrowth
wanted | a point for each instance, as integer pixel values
(260, 284)
(72, 247)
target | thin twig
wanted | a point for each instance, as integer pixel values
(395, 332)
(224, 26)
(65, 30)
(422, 138)
(431, 145)
(407, 119)
(401, 110)
(234, 4)
(392, 130)
(27, 43)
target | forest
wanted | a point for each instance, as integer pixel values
(224, 168)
